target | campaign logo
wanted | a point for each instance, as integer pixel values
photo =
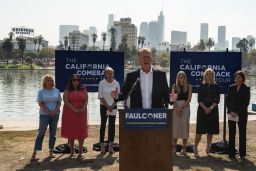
(146, 118)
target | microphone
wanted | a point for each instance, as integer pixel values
(134, 87)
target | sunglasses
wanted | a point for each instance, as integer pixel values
(75, 79)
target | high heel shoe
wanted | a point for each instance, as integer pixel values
(196, 152)
(102, 149)
(110, 149)
(184, 151)
(207, 151)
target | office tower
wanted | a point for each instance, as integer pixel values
(161, 25)
(178, 38)
(153, 36)
(204, 32)
(128, 29)
(144, 30)
(64, 30)
(222, 38)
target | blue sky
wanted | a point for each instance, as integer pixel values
(45, 16)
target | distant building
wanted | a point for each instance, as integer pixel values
(144, 30)
(178, 38)
(222, 38)
(153, 36)
(129, 29)
(28, 34)
(161, 25)
(64, 31)
(110, 21)
(22, 31)
(235, 40)
(77, 39)
(204, 31)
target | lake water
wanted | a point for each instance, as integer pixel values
(19, 109)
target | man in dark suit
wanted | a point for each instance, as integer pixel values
(238, 99)
(147, 87)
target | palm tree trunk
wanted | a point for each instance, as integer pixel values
(22, 58)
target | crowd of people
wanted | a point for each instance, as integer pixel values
(152, 91)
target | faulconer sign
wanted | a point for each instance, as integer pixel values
(89, 65)
(224, 64)
(146, 118)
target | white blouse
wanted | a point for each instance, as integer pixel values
(105, 89)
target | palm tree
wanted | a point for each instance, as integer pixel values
(139, 42)
(22, 46)
(94, 38)
(243, 45)
(251, 43)
(201, 45)
(123, 47)
(35, 43)
(104, 38)
(142, 41)
(113, 33)
(40, 40)
(153, 50)
(210, 43)
(83, 47)
(7, 46)
(73, 39)
(66, 42)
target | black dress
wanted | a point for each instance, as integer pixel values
(208, 123)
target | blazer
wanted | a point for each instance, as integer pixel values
(238, 101)
(160, 90)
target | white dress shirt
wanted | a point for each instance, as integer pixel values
(146, 83)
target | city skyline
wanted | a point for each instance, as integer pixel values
(45, 16)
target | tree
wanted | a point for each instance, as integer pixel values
(94, 38)
(139, 42)
(83, 47)
(113, 33)
(40, 40)
(7, 47)
(201, 45)
(243, 45)
(73, 39)
(66, 42)
(35, 43)
(142, 41)
(134, 54)
(22, 47)
(123, 47)
(47, 53)
(153, 50)
(252, 56)
(163, 58)
(251, 43)
(104, 38)
(210, 43)
(29, 60)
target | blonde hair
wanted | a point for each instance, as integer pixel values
(209, 70)
(144, 50)
(178, 86)
(44, 80)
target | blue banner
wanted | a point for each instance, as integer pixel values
(89, 65)
(225, 64)
(146, 118)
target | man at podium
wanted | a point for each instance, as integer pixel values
(147, 87)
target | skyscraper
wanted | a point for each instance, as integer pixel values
(204, 31)
(178, 38)
(153, 36)
(221, 37)
(110, 21)
(144, 30)
(235, 40)
(161, 25)
(64, 30)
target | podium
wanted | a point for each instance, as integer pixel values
(147, 148)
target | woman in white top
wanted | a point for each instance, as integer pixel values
(108, 108)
